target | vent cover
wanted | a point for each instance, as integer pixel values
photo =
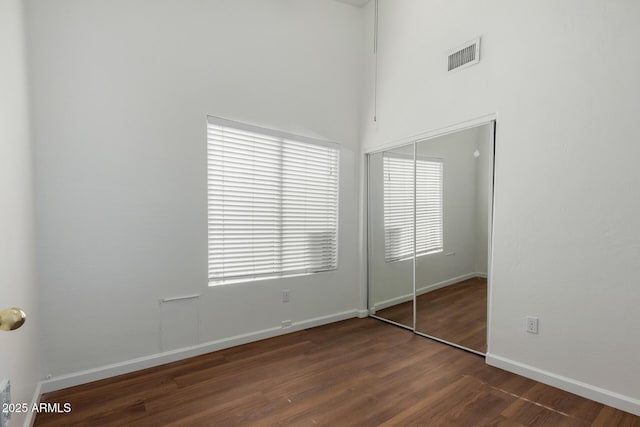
(465, 56)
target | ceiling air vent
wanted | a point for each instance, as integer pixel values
(465, 56)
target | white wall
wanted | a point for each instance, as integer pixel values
(20, 350)
(122, 90)
(562, 77)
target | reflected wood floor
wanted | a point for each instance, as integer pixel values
(359, 372)
(455, 313)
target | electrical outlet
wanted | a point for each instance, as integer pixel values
(286, 323)
(285, 295)
(532, 325)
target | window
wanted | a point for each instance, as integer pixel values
(272, 203)
(399, 206)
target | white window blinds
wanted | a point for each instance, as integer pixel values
(399, 206)
(272, 203)
(429, 203)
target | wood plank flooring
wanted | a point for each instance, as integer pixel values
(359, 372)
(456, 313)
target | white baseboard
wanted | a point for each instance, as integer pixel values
(392, 301)
(452, 281)
(607, 397)
(95, 374)
(31, 415)
(362, 313)
(423, 290)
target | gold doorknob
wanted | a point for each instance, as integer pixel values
(11, 319)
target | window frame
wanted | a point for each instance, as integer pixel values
(283, 138)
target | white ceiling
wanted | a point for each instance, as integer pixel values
(357, 3)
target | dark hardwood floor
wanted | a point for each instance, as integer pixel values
(357, 372)
(456, 313)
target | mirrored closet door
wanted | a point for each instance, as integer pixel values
(430, 210)
(391, 233)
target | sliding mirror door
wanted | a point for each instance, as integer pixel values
(454, 179)
(391, 233)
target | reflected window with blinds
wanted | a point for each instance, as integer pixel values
(399, 206)
(272, 203)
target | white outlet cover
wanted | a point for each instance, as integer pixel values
(532, 324)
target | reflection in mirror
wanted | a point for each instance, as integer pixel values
(391, 224)
(454, 177)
